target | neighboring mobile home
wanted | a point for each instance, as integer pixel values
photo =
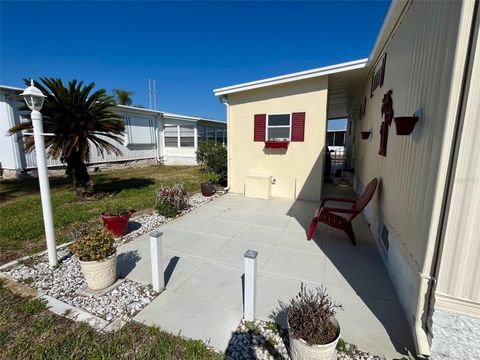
(425, 214)
(149, 135)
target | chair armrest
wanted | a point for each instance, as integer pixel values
(337, 199)
(339, 210)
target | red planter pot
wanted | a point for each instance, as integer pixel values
(405, 124)
(117, 225)
(207, 189)
(276, 144)
(365, 134)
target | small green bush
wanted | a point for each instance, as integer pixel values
(166, 210)
(213, 158)
(171, 200)
(96, 245)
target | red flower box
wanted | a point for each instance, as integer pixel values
(276, 144)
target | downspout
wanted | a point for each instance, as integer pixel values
(224, 101)
(159, 138)
(454, 111)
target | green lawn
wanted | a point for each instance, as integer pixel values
(29, 331)
(21, 224)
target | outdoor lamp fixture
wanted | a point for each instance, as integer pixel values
(34, 99)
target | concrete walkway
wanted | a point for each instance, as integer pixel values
(203, 256)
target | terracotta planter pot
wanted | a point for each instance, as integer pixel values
(100, 274)
(405, 124)
(365, 134)
(208, 189)
(117, 225)
(300, 350)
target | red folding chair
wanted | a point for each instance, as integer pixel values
(328, 215)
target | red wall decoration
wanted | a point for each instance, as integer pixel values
(387, 115)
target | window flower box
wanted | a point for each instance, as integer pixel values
(276, 144)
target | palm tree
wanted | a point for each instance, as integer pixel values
(79, 118)
(123, 97)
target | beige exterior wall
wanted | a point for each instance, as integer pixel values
(298, 171)
(420, 60)
(418, 70)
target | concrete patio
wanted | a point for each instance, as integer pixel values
(203, 257)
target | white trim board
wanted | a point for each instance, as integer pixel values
(302, 75)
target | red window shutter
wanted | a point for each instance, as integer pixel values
(298, 126)
(259, 127)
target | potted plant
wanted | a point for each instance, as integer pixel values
(98, 258)
(312, 327)
(116, 220)
(208, 187)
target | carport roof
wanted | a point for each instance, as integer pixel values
(344, 80)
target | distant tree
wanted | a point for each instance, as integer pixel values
(123, 97)
(79, 118)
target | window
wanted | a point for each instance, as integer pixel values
(171, 135)
(219, 135)
(330, 138)
(225, 136)
(278, 127)
(211, 133)
(201, 134)
(378, 75)
(187, 136)
(339, 139)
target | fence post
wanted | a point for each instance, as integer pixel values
(250, 293)
(156, 255)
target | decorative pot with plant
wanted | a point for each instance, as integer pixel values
(312, 327)
(171, 200)
(208, 187)
(116, 220)
(98, 258)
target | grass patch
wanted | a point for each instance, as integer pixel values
(44, 335)
(33, 306)
(21, 222)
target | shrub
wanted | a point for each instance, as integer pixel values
(309, 314)
(213, 157)
(166, 210)
(96, 245)
(171, 200)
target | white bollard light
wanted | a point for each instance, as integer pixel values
(156, 255)
(250, 285)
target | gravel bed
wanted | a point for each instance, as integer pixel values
(139, 225)
(64, 281)
(265, 341)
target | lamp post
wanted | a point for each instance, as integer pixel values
(34, 99)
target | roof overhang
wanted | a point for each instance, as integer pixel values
(302, 75)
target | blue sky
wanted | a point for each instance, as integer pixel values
(190, 48)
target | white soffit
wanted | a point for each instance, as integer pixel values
(343, 87)
(302, 75)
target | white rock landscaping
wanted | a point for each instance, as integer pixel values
(260, 340)
(66, 281)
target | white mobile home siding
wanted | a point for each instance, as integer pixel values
(420, 55)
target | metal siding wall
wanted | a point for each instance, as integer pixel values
(418, 70)
(461, 279)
